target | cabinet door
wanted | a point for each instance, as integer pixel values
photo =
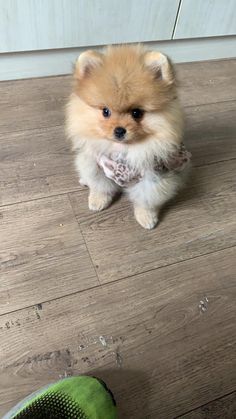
(202, 18)
(45, 24)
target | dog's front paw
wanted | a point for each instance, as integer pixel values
(82, 182)
(99, 201)
(147, 218)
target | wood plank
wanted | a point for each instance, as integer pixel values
(33, 103)
(34, 164)
(210, 132)
(223, 408)
(167, 339)
(20, 190)
(38, 103)
(207, 82)
(29, 91)
(200, 221)
(42, 253)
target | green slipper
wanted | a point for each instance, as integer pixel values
(71, 398)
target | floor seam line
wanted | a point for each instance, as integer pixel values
(204, 404)
(40, 198)
(32, 129)
(81, 232)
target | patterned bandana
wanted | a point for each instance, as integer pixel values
(118, 170)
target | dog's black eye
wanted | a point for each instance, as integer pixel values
(106, 112)
(137, 113)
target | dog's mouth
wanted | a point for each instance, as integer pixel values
(123, 140)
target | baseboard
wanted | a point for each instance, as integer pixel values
(56, 62)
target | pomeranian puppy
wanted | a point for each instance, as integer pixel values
(126, 125)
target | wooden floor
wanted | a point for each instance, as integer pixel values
(152, 313)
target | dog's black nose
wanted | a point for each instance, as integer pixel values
(119, 132)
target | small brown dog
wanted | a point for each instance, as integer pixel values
(126, 125)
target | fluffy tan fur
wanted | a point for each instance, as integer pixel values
(122, 79)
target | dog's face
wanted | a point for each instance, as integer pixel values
(121, 92)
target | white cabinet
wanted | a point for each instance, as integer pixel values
(27, 25)
(204, 18)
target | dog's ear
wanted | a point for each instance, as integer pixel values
(86, 62)
(160, 65)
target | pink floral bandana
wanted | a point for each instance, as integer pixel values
(118, 170)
